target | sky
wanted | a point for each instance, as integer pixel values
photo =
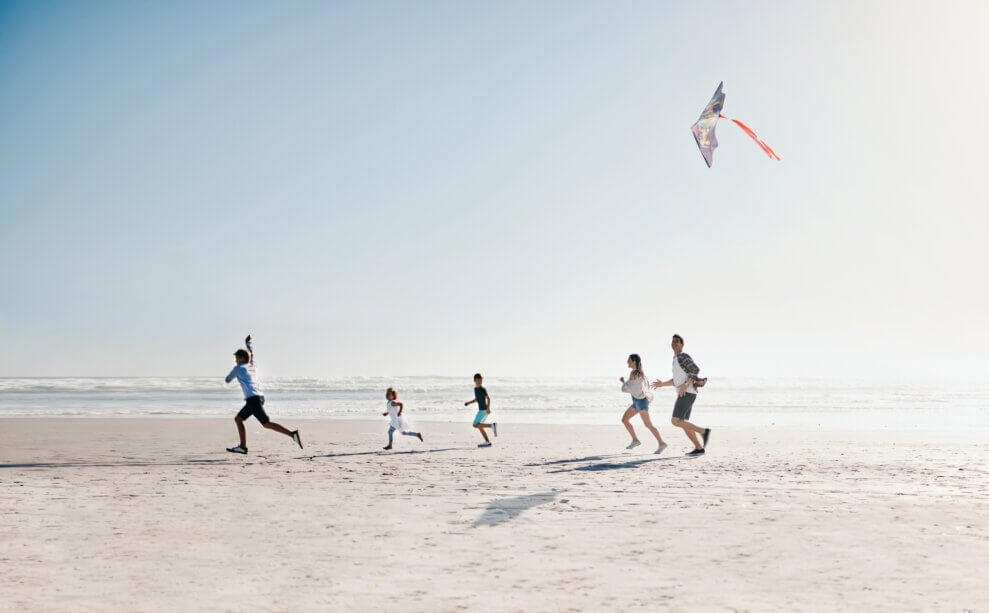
(439, 188)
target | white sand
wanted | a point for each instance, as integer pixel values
(152, 514)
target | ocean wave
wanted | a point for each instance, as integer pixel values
(521, 399)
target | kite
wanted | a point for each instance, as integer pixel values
(703, 128)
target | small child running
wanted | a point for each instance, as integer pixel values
(397, 421)
(247, 375)
(483, 410)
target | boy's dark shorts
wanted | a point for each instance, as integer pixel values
(254, 406)
(684, 405)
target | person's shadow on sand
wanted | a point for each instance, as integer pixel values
(614, 465)
(381, 452)
(109, 464)
(590, 458)
(506, 509)
(599, 465)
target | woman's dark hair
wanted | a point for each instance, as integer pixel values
(677, 337)
(637, 371)
(478, 377)
(243, 354)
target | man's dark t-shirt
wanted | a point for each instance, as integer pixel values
(481, 396)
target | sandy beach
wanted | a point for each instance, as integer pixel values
(153, 514)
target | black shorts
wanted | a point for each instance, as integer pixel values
(254, 406)
(684, 405)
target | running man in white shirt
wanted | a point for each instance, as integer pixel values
(247, 375)
(686, 381)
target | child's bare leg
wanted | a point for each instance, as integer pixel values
(480, 428)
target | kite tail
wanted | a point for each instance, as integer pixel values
(766, 148)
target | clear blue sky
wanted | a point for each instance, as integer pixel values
(512, 187)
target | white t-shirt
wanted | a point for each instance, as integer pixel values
(680, 377)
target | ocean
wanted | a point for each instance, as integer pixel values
(588, 400)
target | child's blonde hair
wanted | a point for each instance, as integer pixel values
(391, 394)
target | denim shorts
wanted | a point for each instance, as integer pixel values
(640, 404)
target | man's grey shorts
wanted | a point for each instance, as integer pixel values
(684, 405)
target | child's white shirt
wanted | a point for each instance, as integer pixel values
(399, 423)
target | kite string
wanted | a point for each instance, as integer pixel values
(766, 148)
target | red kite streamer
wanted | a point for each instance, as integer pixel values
(703, 129)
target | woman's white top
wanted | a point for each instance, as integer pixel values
(636, 387)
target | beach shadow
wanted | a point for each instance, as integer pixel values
(590, 458)
(507, 509)
(380, 452)
(111, 464)
(601, 466)
(232, 460)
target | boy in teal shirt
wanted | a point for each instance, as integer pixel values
(483, 410)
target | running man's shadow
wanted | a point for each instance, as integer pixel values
(230, 459)
(507, 509)
(112, 464)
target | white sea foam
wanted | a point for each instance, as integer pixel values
(592, 400)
